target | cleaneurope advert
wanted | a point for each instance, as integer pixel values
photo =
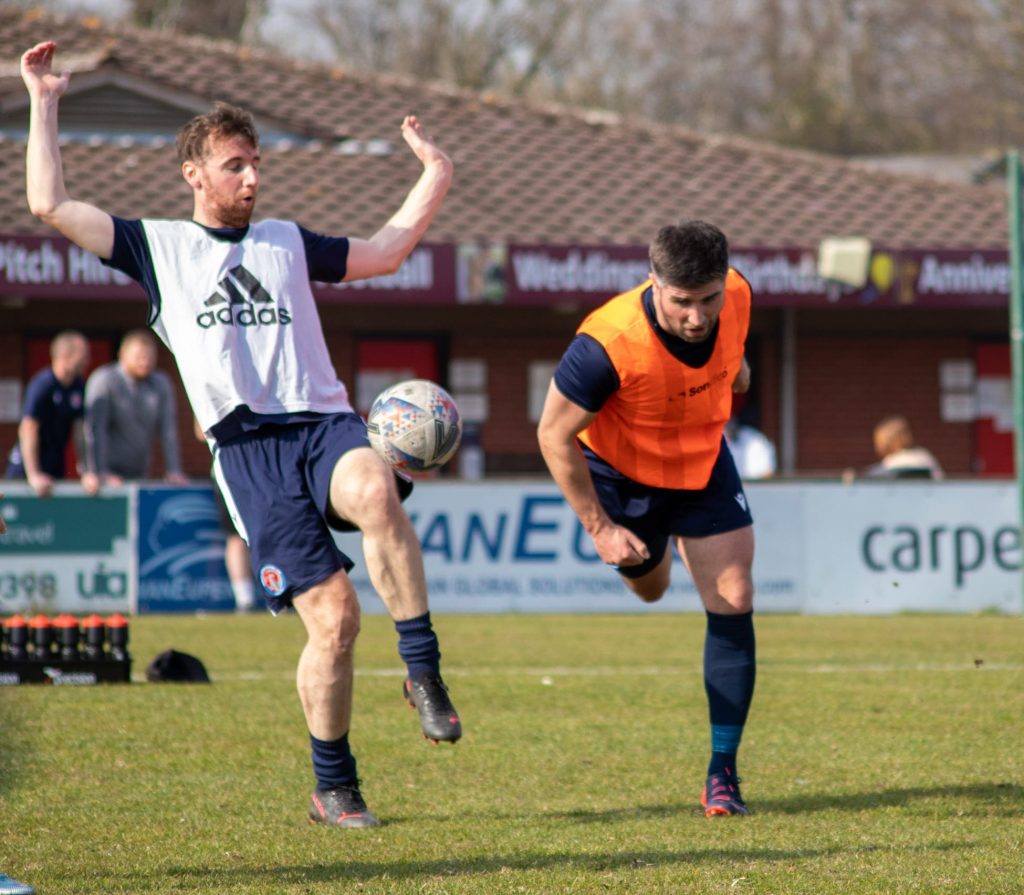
(820, 548)
(516, 546)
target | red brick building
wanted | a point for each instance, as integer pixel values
(550, 212)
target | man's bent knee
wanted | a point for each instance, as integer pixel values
(731, 600)
(367, 499)
(331, 614)
(341, 636)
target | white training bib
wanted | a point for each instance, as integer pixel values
(241, 321)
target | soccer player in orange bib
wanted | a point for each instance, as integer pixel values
(632, 431)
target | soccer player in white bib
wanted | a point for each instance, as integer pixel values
(231, 299)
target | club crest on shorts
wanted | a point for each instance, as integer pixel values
(273, 580)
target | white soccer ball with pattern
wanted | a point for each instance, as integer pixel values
(415, 425)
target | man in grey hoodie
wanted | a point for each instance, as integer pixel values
(129, 404)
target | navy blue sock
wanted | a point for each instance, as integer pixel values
(418, 646)
(730, 667)
(333, 762)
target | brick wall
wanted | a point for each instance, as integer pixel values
(509, 436)
(847, 384)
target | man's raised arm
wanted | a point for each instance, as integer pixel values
(385, 251)
(84, 224)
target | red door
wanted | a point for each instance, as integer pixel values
(383, 362)
(993, 428)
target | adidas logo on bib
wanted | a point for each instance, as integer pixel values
(230, 307)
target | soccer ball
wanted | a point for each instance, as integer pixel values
(414, 425)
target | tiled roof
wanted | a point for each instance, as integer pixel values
(524, 173)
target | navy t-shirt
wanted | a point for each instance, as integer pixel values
(55, 407)
(326, 262)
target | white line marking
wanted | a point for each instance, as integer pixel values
(569, 671)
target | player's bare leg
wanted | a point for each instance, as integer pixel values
(363, 491)
(720, 566)
(330, 613)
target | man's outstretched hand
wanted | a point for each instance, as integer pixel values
(37, 71)
(427, 151)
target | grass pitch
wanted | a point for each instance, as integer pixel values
(882, 755)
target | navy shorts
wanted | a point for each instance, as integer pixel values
(656, 514)
(223, 513)
(276, 483)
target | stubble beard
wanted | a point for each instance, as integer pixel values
(229, 212)
(236, 215)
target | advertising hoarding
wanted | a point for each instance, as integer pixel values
(66, 553)
(181, 552)
(516, 546)
(828, 548)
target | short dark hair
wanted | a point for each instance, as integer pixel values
(138, 335)
(689, 255)
(64, 340)
(223, 120)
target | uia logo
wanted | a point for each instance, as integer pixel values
(230, 307)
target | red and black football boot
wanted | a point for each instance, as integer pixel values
(428, 694)
(721, 795)
(340, 806)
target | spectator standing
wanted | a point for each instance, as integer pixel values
(129, 404)
(52, 415)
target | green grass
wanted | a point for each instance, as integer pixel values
(882, 755)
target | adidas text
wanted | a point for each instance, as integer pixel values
(244, 316)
